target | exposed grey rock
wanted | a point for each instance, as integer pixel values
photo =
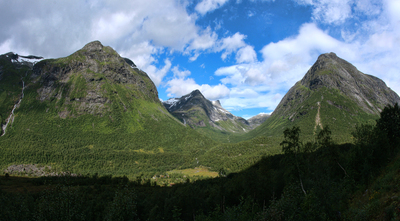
(196, 110)
(370, 93)
(97, 64)
(258, 119)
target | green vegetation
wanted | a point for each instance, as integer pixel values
(10, 86)
(315, 180)
(126, 158)
(126, 133)
(336, 110)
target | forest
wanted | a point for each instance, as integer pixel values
(309, 180)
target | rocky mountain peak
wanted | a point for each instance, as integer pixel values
(196, 93)
(257, 120)
(332, 92)
(197, 111)
(332, 72)
(87, 73)
(217, 103)
(93, 46)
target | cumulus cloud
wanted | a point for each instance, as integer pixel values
(285, 62)
(246, 55)
(180, 74)
(204, 40)
(156, 74)
(209, 5)
(244, 98)
(140, 30)
(178, 87)
(231, 44)
(35, 28)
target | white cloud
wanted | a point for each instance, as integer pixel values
(205, 40)
(156, 74)
(142, 55)
(139, 30)
(178, 87)
(264, 100)
(330, 11)
(178, 73)
(209, 5)
(231, 44)
(112, 26)
(246, 55)
(393, 11)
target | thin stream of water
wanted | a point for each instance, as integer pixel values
(11, 117)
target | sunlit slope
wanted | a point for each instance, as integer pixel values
(91, 112)
(334, 93)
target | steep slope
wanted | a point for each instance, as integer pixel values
(258, 119)
(94, 111)
(333, 92)
(13, 69)
(205, 116)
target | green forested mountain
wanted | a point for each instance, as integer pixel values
(333, 92)
(90, 112)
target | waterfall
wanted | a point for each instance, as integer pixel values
(11, 117)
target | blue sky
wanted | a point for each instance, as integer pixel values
(247, 54)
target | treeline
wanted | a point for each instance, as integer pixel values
(315, 180)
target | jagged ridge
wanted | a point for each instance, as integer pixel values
(196, 111)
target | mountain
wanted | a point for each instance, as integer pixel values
(92, 111)
(332, 92)
(196, 111)
(258, 119)
(13, 68)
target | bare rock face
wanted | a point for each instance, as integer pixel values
(331, 72)
(258, 119)
(88, 79)
(332, 92)
(369, 92)
(195, 110)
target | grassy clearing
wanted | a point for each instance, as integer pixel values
(197, 171)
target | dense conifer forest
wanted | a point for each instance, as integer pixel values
(310, 180)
